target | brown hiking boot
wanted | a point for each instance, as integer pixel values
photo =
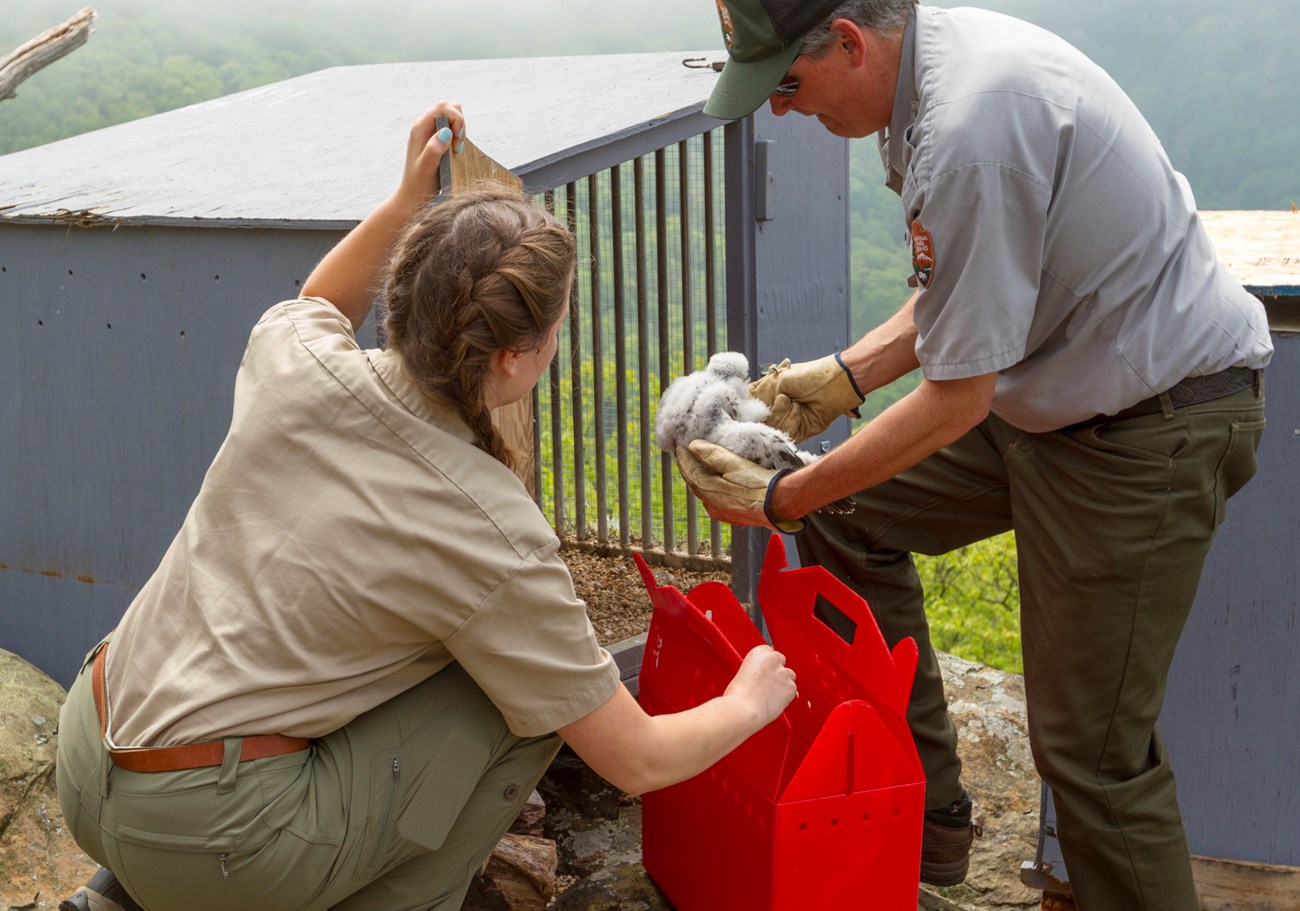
(946, 841)
(102, 892)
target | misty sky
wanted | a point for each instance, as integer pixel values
(511, 27)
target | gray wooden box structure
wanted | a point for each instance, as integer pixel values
(134, 261)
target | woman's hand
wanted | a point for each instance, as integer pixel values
(349, 274)
(637, 752)
(424, 150)
(765, 683)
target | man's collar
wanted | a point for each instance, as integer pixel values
(905, 101)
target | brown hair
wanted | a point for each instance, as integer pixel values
(482, 271)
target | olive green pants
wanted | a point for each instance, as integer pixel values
(396, 810)
(1113, 522)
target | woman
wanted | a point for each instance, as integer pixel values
(352, 665)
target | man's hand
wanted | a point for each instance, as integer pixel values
(733, 489)
(805, 398)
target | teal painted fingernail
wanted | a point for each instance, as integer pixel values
(444, 135)
(461, 134)
(461, 147)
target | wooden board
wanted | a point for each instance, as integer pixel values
(1231, 885)
(1260, 249)
(459, 171)
(470, 166)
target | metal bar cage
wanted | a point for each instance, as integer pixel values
(648, 306)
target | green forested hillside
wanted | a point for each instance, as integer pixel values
(1219, 82)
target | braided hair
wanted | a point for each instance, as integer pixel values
(480, 272)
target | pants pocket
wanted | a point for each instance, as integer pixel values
(1238, 464)
(416, 799)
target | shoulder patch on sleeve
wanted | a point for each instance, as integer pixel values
(922, 254)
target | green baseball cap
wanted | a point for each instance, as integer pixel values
(763, 38)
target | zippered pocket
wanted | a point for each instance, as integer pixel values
(381, 835)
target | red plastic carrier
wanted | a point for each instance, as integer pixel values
(822, 809)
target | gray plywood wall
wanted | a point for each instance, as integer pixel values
(1231, 715)
(117, 358)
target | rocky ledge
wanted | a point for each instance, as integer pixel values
(597, 829)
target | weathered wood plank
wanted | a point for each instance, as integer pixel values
(50, 45)
(462, 170)
(1262, 251)
(627, 654)
(1259, 249)
(1232, 885)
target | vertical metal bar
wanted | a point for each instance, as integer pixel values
(597, 361)
(643, 359)
(711, 293)
(688, 320)
(665, 365)
(742, 329)
(620, 351)
(557, 423)
(577, 439)
(537, 445)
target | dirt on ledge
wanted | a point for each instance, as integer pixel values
(616, 598)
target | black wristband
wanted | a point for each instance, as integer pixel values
(767, 505)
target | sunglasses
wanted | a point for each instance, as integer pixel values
(786, 87)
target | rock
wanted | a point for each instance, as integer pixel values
(988, 708)
(520, 873)
(596, 828)
(530, 817)
(519, 876)
(39, 861)
(598, 831)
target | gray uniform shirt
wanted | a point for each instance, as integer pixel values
(1054, 242)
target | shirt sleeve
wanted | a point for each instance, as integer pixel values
(531, 647)
(977, 235)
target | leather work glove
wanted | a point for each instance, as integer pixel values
(733, 488)
(806, 397)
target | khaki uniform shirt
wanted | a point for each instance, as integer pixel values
(349, 540)
(1052, 239)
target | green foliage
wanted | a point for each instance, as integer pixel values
(972, 598)
(672, 319)
(880, 260)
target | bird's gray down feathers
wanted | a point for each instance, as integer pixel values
(714, 404)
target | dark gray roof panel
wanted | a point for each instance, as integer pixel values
(323, 149)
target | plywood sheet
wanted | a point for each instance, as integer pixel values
(321, 149)
(1260, 249)
(458, 171)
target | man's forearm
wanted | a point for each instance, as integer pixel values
(885, 353)
(922, 422)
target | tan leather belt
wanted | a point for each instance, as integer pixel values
(190, 755)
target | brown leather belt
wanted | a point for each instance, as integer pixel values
(1191, 391)
(190, 755)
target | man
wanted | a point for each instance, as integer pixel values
(1091, 378)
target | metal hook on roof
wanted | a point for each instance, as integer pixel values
(702, 63)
